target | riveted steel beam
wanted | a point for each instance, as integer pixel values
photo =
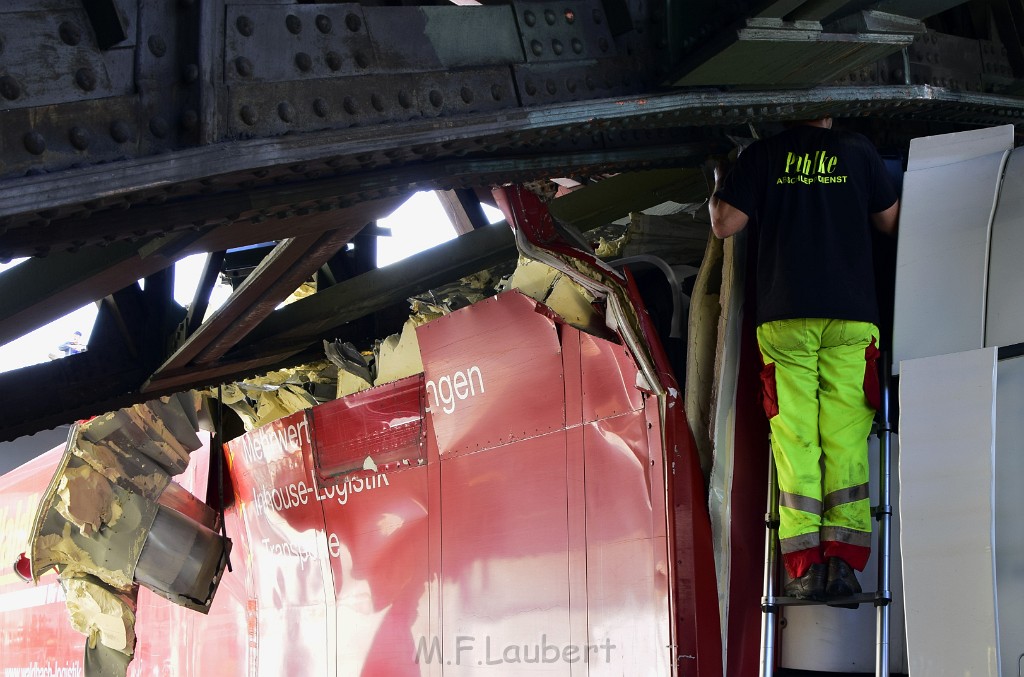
(291, 263)
(43, 289)
(40, 200)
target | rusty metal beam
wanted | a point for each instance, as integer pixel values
(41, 290)
(306, 320)
(463, 209)
(292, 262)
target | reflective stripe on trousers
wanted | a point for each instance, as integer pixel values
(817, 383)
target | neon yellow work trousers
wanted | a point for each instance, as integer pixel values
(820, 392)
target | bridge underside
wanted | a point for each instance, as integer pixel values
(135, 132)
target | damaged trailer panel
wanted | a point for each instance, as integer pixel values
(531, 501)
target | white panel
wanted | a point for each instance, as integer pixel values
(942, 258)
(943, 149)
(1009, 508)
(946, 474)
(1005, 324)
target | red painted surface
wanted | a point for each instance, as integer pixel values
(493, 374)
(537, 538)
(34, 629)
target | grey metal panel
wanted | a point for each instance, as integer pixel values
(332, 103)
(948, 196)
(56, 61)
(1004, 324)
(270, 43)
(786, 57)
(546, 83)
(946, 475)
(564, 31)
(437, 38)
(1009, 508)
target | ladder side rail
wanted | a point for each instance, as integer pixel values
(883, 515)
(769, 607)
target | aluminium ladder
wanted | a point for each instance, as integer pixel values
(772, 604)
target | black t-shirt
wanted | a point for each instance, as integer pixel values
(809, 192)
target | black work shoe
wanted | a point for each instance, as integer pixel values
(809, 586)
(842, 581)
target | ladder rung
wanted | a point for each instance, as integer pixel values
(862, 598)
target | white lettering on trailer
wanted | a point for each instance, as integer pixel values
(279, 499)
(256, 444)
(459, 386)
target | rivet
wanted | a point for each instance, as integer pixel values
(597, 16)
(285, 111)
(496, 92)
(243, 66)
(577, 45)
(34, 143)
(248, 115)
(349, 104)
(467, 95)
(549, 16)
(530, 18)
(377, 103)
(190, 73)
(157, 45)
(323, 23)
(436, 98)
(551, 87)
(404, 100)
(603, 44)
(320, 108)
(353, 22)
(69, 33)
(120, 131)
(531, 89)
(536, 47)
(333, 60)
(556, 47)
(589, 82)
(361, 60)
(158, 126)
(303, 62)
(244, 25)
(189, 120)
(570, 85)
(293, 23)
(9, 88)
(570, 16)
(85, 79)
(79, 138)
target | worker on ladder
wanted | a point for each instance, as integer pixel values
(813, 194)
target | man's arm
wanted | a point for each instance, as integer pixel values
(726, 220)
(886, 221)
